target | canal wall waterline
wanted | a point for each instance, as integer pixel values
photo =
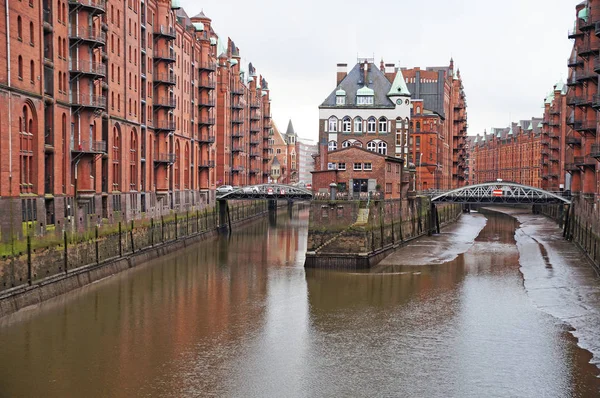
(175, 236)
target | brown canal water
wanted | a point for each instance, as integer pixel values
(241, 317)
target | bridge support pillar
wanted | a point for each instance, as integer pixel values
(290, 207)
(434, 221)
(224, 219)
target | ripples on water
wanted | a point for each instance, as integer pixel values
(241, 317)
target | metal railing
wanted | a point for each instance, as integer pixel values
(165, 31)
(90, 147)
(165, 78)
(207, 83)
(164, 125)
(595, 151)
(165, 158)
(85, 33)
(206, 164)
(164, 54)
(90, 67)
(92, 101)
(207, 66)
(164, 101)
(99, 4)
(206, 120)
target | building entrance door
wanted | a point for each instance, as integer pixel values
(360, 185)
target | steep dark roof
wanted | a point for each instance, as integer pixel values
(432, 93)
(376, 81)
(200, 15)
(290, 129)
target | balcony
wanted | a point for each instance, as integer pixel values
(207, 83)
(553, 123)
(237, 105)
(574, 101)
(254, 129)
(209, 66)
(237, 169)
(89, 147)
(586, 75)
(584, 161)
(206, 138)
(254, 143)
(164, 102)
(164, 31)
(572, 80)
(236, 149)
(164, 55)
(165, 125)
(255, 116)
(237, 120)
(165, 78)
(255, 104)
(206, 164)
(47, 20)
(253, 171)
(206, 103)
(595, 151)
(575, 33)
(574, 61)
(237, 134)
(95, 6)
(164, 158)
(237, 90)
(588, 49)
(571, 167)
(254, 154)
(573, 141)
(586, 125)
(206, 121)
(88, 101)
(87, 68)
(554, 110)
(93, 36)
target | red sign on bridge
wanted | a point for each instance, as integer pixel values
(497, 192)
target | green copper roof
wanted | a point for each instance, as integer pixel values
(455, 77)
(549, 98)
(199, 26)
(476, 139)
(213, 41)
(340, 92)
(499, 134)
(583, 14)
(399, 86)
(540, 125)
(221, 47)
(233, 62)
(510, 131)
(365, 91)
(175, 4)
(560, 86)
(530, 128)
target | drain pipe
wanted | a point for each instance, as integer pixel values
(8, 72)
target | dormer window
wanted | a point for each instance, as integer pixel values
(365, 96)
(340, 97)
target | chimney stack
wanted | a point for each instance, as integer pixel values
(381, 66)
(390, 72)
(365, 72)
(342, 71)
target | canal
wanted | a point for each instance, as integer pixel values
(449, 316)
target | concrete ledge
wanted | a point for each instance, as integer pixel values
(24, 296)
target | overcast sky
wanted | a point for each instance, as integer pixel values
(510, 52)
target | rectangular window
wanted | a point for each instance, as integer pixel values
(341, 166)
(340, 100)
(330, 166)
(389, 167)
(388, 187)
(418, 141)
(398, 138)
(357, 166)
(397, 169)
(367, 166)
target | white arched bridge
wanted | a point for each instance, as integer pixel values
(267, 191)
(499, 193)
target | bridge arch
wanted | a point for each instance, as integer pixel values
(499, 192)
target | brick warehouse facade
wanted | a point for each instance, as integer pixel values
(511, 154)
(117, 110)
(583, 100)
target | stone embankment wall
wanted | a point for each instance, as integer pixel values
(37, 269)
(582, 225)
(338, 238)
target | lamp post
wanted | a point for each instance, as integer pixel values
(420, 182)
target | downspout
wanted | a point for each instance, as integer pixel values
(8, 71)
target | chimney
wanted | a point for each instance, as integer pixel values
(390, 72)
(381, 66)
(323, 155)
(365, 72)
(342, 71)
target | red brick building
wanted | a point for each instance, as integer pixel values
(285, 148)
(358, 171)
(583, 100)
(511, 154)
(108, 112)
(554, 139)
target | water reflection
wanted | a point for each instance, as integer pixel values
(239, 316)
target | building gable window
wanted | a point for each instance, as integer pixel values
(364, 100)
(371, 146)
(340, 100)
(383, 125)
(346, 125)
(358, 122)
(341, 166)
(368, 166)
(332, 146)
(382, 148)
(333, 124)
(357, 166)
(371, 125)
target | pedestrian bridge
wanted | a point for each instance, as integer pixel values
(499, 193)
(268, 191)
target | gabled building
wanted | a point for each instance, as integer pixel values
(284, 148)
(557, 140)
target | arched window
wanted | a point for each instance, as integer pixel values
(31, 34)
(382, 148)
(177, 164)
(371, 146)
(64, 13)
(31, 71)
(371, 125)
(60, 87)
(418, 126)
(346, 144)
(333, 124)
(332, 146)
(26, 130)
(383, 125)
(59, 47)
(112, 72)
(358, 122)
(186, 167)
(19, 28)
(116, 157)
(20, 67)
(346, 125)
(133, 159)
(66, 158)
